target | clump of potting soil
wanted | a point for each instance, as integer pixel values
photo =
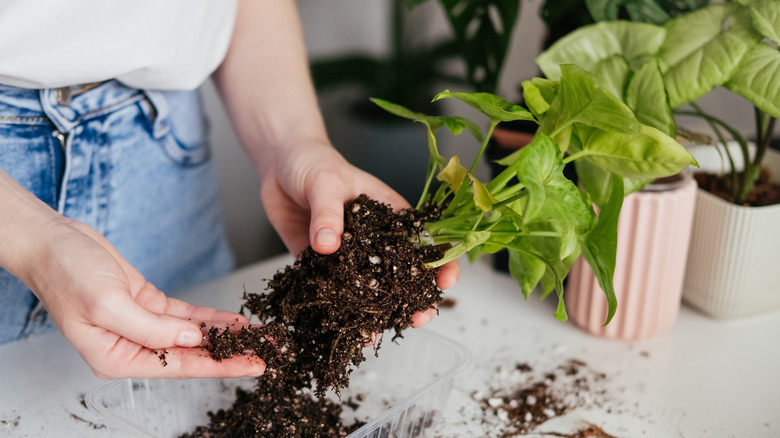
(317, 316)
(332, 304)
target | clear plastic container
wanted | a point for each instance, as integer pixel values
(403, 392)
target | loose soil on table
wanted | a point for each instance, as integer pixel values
(317, 316)
(518, 399)
(524, 408)
(765, 192)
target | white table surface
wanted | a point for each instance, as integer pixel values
(704, 378)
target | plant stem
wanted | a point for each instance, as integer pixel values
(477, 222)
(516, 193)
(568, 159)
(502, 179)
(526, 233)
(738, 187)
(765, 126)
(483, 147)
(427, 187)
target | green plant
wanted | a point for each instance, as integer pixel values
(661, 70)
(565, 16)
(542, 218)
(645, 11)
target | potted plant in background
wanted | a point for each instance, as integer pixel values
(654, 228)
(561, 17)
(730, 272)
(660, 72)
(412, 70)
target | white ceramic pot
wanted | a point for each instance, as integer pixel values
(733, 270)
(653, 235)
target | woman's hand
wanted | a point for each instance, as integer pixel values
(113, 317)
(304, 197)
(120, 324)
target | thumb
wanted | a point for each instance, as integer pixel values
(327, 221)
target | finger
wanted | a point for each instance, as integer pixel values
(180, 363)
(371, 341)
(206, 326)
(447, 275)
(327, 217)
(182, 309)
(232, 327)
(419, 319)
(122, 315)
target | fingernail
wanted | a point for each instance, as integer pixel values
(421, 319)
(189, 339)
(326, 236)
(257, 369)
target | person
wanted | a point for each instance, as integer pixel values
(107, 193)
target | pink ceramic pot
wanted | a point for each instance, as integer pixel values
(653, 236)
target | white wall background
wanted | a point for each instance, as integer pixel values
(332, 27)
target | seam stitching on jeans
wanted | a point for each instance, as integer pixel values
(110, 108)
(24, 119)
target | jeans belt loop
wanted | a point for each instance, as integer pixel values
(160, 125)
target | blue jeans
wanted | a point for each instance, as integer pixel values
(133, 164)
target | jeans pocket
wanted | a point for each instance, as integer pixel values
(176, 119)
(33, 157)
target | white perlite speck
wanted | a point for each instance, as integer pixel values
(495, 402)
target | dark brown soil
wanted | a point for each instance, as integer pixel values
(448, 303)
(765, 192)
(590, 431)
(317, 315)
(518, 409)
(269, 412)
(161, 355)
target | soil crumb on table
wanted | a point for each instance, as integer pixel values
(91, 424)
(12, 423)
(448, 303)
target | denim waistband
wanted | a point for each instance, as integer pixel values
(31, 106)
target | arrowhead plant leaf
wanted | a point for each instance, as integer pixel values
(530, 208)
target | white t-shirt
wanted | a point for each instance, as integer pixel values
(157, 44)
